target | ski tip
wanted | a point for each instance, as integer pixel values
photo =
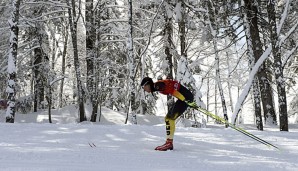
(278, 149)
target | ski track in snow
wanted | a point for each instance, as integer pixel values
(63, 147)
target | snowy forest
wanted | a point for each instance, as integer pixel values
(239, 57)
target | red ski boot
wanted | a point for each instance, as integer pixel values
(167, 146)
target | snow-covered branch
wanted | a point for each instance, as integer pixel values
(288, 55)
(48, 2)
(57, 79)
(252, 74)
(283, 17)
(194, 8)
(288, 34)
(149, 40)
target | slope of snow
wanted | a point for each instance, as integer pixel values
(32, 146)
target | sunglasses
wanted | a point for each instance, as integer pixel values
(145, 84)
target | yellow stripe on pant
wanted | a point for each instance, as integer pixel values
(170, 127)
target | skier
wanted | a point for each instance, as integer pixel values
(185, 99)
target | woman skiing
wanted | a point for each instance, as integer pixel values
(185, 99)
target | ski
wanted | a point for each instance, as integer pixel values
(241, 130)
(91, 144)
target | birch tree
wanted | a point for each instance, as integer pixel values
(214, 28)
(168, 45)
(12, 57)
(131, 65)
(181, 19)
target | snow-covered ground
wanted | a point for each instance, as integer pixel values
(65, 145)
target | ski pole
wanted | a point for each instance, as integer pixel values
(241, 130)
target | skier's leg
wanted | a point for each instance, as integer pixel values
(170, 127)
(177, 110)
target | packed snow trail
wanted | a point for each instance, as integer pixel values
(36, 147)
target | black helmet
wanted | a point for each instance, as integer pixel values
(147, 80)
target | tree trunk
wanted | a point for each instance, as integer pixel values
(91, 58)
(131, 66)
(54, 48)
(168, 37)
(278, 69)
(267, 96)
(38, 85)
(208, 95)
(73, 30)
(255, 51)
(182, 31)
(218, 81)
(12, 57)
(97, 70)
(265, 79)
(168, 34)
(257, 104)
(49, 99)
(63, 67)
(229, 80)
(214, 31)
(41, 66)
